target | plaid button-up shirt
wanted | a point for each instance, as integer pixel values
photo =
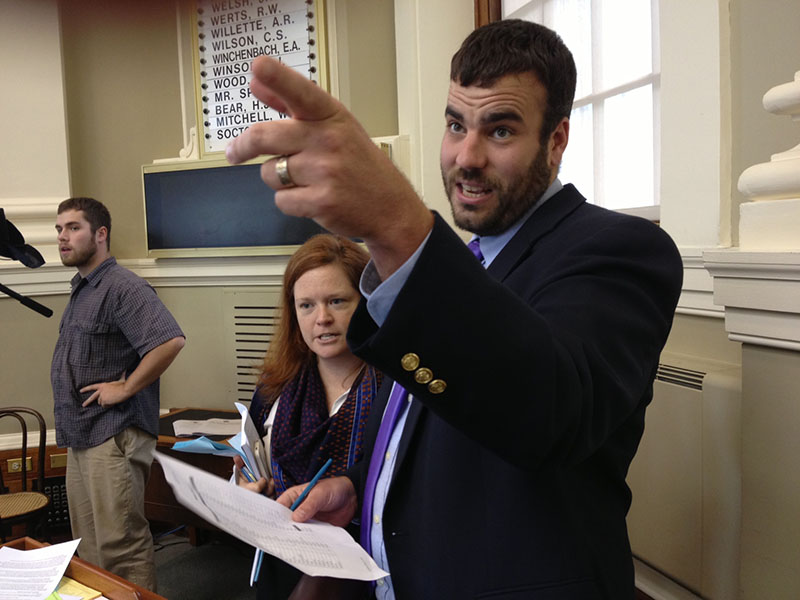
(112, 320)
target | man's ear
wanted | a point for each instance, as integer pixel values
(101, 235)
(558, 143)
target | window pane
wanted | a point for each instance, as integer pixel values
(572, 20)
(626, 44)
(528, 10)
(628, 150)
(577, 165)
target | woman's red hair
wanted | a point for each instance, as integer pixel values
(287, 352)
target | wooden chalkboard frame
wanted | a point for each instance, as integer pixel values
(227, 35)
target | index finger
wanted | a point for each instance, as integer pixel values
(90, 399)
(287, 91)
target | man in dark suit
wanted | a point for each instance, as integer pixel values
(502, 474)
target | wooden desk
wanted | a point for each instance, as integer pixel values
(160, 503)
(112, 586)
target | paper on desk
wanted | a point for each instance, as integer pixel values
(315, 548)
(33, 574)
(187, 427)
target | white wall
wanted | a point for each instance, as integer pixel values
(33, 154)
(695, 161)
(427, 34)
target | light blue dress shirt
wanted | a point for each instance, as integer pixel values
(380, 298)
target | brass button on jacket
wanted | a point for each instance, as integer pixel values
(410, 361)
(437, 386)
(423, 375)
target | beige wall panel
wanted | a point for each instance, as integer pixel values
(367, 65)
(33, 154)
(27, 346)
(665, 520)
(702, 337)
(123, 104)
(207, 372)
(771, 474)
(197, 378)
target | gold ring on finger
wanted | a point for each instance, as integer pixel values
(282, 171)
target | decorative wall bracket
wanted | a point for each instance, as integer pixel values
(758, 283)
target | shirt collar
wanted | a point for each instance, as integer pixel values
(95, 276)
(492, 245)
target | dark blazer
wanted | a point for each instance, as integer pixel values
(510, 483)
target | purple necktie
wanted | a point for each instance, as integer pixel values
(393, 409)
(475, 246)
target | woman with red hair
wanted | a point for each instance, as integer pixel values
(313, 395)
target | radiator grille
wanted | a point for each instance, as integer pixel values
(680, 376)
(253, 317)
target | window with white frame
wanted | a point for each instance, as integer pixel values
(613, 151)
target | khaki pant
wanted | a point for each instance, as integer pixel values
(105, 493)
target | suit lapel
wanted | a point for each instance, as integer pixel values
(542, 221)
(414, 415)
(376, 413)
(376, 417)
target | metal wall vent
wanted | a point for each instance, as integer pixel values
(253, 317)
(680, 376)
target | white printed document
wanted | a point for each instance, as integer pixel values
(33, 574)
(315, 548)
(189, 427)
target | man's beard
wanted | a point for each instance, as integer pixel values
(79, 257)
(514, 199)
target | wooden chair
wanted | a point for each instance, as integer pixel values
(28, 507)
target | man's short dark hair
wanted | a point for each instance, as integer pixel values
(512, 47)
(95, 212)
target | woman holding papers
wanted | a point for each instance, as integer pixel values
(313, 395)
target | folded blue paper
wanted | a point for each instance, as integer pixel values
(204, 445)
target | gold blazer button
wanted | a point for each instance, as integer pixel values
(423, 375)
(437, 386)
(410, 361)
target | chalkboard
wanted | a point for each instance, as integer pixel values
(199, 210)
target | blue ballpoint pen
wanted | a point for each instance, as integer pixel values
(311, 484)
(248, 474)
(297, 502)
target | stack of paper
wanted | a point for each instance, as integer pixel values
(188, 427)
(33, 574)
(246, 443)
(69, 588)
(251, 445)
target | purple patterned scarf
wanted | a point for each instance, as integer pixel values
(304, 436)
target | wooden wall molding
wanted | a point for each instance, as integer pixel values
(487, 11)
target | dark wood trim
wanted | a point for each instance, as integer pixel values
(487, 11)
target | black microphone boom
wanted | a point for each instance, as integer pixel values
(42, 310)
(13, 246)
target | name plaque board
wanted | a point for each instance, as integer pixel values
(230, 34)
